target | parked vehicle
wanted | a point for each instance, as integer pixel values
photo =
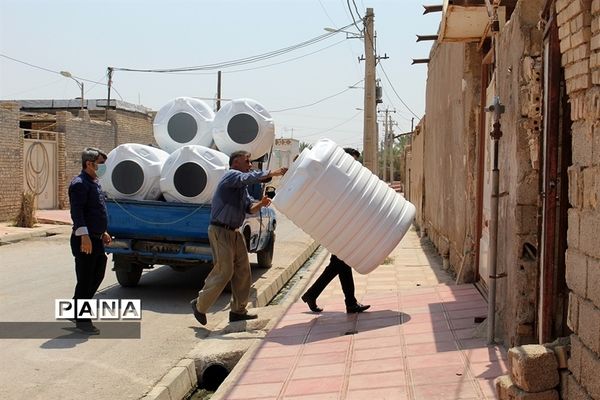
(148, 233)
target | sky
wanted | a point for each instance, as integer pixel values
(306, 90)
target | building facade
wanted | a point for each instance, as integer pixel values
(542, 65)
(41, 143)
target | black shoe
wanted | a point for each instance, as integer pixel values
(357, 308)
(200, 317)
(88, 328)
(233, 317)
(312, 303)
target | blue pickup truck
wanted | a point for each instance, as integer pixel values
(148, 233)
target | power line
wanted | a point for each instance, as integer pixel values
(50, 70)
(240, 61)
(262, 66)
(326, 13)
(394, 89)
(332, 128)
(352, 15)
(318, 101)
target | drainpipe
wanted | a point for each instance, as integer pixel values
(497, 108)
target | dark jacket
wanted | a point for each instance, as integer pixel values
(87, 204)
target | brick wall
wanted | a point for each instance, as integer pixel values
(579, 33)
(81, 132)
(132, 127)
(11, 161)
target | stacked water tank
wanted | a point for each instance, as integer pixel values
(133, 172)
(195, 145)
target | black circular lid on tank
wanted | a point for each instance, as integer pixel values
(242, 128)
(190, 179)
(127, 177)
(182, 127)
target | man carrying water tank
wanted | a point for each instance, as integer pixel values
(342, 270)
(230, 203)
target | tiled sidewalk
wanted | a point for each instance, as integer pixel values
(416, 342)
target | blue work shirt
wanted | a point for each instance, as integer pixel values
(88, 209)
(231, 200)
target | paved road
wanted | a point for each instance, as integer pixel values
(38, 271)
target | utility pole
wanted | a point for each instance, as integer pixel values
(110, 73)
(370, 142)
(218, 90)
(386, 143)
(391, 140)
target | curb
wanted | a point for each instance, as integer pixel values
(240, 367)
(40, 232)
(278, 279)
(177, 384)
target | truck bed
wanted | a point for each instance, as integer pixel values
(158, 220)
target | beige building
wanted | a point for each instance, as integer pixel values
(284, 152)
(41, 143)
(544, 67)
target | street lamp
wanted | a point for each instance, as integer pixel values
(349, 35)
(67, 74)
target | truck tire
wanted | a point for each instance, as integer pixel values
(128, 272)
(265, 256)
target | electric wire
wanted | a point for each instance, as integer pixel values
(236, 62)
(49, 70)
(394, 89)
(352, 15)
(261, 66)
(316, 102)
(332, 128)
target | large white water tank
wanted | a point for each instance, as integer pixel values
(244, 124)
(342, 205)
(183, 121)
(191, 174)
(133, 172)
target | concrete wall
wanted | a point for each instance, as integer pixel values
(413, 188)
(518, 77)
(11, 161)
(579, 33)
(453, 87)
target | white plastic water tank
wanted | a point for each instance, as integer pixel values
(191, 174)
(183, 121)
(133, 172)
(341, 204)
(244, 124)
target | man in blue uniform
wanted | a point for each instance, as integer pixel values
(88, 212)
(230, 203)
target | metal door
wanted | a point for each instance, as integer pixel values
(39, 171)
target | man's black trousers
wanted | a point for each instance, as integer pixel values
(344, 272)
(89, 268)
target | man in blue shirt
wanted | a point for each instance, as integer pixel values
(88, 212)
(230, 203)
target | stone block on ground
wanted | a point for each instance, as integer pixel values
(507, 390)
(533, 368)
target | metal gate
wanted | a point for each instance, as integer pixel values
(39, 167)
